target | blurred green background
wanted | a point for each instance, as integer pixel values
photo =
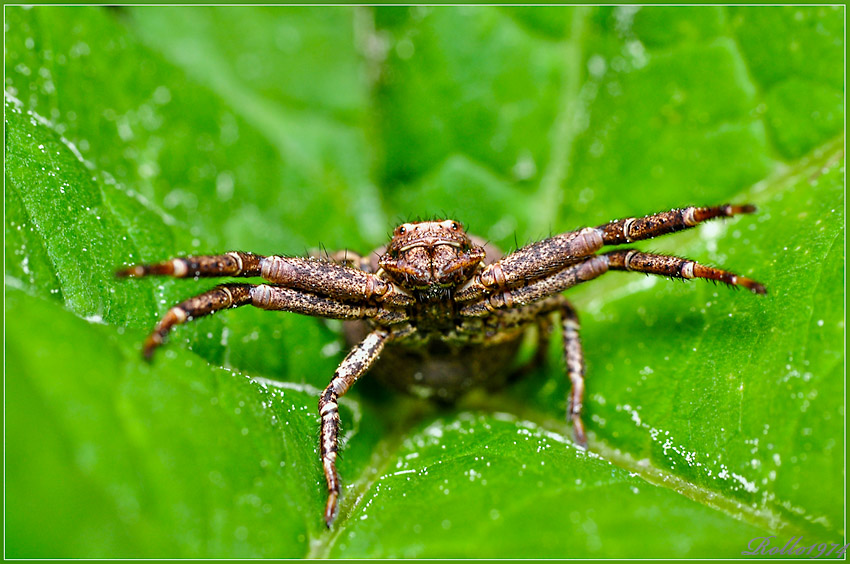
(139, 133)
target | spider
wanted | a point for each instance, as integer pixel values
(445, 310)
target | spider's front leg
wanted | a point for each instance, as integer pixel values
(549, 256)
(637, 229)
(330, 279)
(233, 263)
(633, 229)
(308, 286)
(532, 262)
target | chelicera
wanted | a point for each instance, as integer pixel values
(445, 311)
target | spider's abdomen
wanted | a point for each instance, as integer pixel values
(428, 366)
(445, 374)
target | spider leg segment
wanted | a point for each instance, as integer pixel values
(221, 297)
(574, 361)
(675, 267)
(531, 262)
(331, 279)
(234, 263)
(588, 269)
(538, 312)
(651, 226)
(267, 297)
(353, 366)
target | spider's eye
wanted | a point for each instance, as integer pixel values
(455, 226)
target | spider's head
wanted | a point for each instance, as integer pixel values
(430, 254)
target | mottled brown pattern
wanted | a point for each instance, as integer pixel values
(533, 262)
(574, 361)
(637, 229)
(675, 267)
(355, 364)
(323, 278)
(234, 263)
(443, 309)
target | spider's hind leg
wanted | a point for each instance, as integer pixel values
(574, 361)
(675, 267)
(573, 353)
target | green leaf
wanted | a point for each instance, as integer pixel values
(135, 134)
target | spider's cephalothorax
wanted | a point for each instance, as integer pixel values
(444, 310)
(425, 256)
